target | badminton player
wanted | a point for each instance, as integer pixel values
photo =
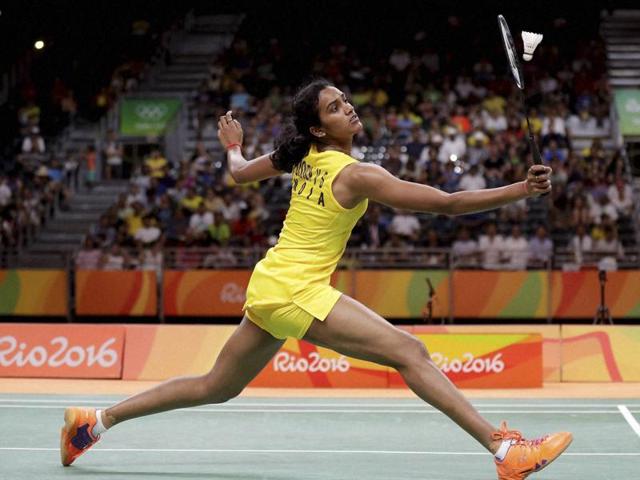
(289, 294)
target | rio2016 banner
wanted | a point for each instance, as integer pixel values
(469, 360)
(142, 117)
(132, 293)
(61, 351)
(33, 292)
(473, 356)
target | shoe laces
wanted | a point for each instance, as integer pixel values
(506, 434)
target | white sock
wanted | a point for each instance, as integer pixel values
(503, 450)
(99, 427)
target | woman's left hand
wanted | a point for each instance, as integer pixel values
(229, 130)
(538, 180)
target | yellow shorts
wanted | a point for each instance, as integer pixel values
(293, 319)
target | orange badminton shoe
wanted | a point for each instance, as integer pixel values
(525, 457)
(76, 436)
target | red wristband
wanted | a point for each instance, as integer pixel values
(231, 145)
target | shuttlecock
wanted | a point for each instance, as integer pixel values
(531, 41)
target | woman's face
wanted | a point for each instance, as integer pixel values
(338, 118)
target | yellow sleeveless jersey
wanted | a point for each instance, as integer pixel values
(313, 238)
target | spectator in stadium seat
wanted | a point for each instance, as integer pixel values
(432, 242)
(453, 146)
(149, 234)
(242, 228)
(552, 152)
(473, 179)
(540, 248)
(5, 191)
(219, 257)
(477, 151)
(580, 212)
(136, 194)
(491, 248)
(240, 100)
(88, 257)
(155, 162)
(450, 177)
(114, 258)
(113, 154)
(90, 166)
(620, 194)
(219, 231)
(151, 259)
(104, 232)
(465, 250)
(371, 231)
(405, 226)
(582, 124)
(177, 229)
(33, 144)
(609, 243)
(191, 201)
(581, 243)
(554, 127)
(493, 121)
(516, 249)
(601, 206)
(199, 222)
(133, 219)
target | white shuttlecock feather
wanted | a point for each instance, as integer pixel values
(531, 41)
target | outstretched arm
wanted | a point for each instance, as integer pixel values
(242, 170)
(374, 182)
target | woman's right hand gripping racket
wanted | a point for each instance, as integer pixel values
(516, 72)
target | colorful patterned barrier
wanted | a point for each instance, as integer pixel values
(33, 292)
(205, 292)
(131, 293)
(157, 352)
(391, 293)
(403, 293)
(577, 294)
(493, 360)
(473, 356)
(600, 354)
(551, 343)
(61, 351)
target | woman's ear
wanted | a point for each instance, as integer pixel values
(317, 132)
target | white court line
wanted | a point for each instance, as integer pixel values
(629, 418)
(351, 411)
(325, 405)
(331, 452)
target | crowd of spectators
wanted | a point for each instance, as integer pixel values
(36, 178)
(426, 119)
(457, 131)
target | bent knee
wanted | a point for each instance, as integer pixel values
(212, 392)
(413, 351)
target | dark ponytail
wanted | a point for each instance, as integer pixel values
(293, 143)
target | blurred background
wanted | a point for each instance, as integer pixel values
(109, 160)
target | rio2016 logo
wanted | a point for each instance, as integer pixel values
(469, 363)
(286, 362)
(232, 293)
(59, 354)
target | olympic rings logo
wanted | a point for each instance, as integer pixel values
(151, 111)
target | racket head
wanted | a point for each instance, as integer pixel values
(510, 51)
